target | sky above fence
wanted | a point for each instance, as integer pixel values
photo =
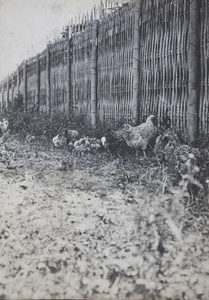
(26, 26)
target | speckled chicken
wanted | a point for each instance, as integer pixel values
(169, 148)
(82, 146)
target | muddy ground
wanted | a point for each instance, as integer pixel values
(92, 228)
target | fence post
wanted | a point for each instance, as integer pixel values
(1, 100)
(1, 92)
(2, 97)
(25, 85)
(18, 78)
(94, 75)
(136, 40)
(48, 81)
(69, 102)
(13, 87)
(37, 103)
(7, 101)
(194, 63)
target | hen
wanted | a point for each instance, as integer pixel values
(140, 136)
(169, 148)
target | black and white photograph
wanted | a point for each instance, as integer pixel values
(104, 149)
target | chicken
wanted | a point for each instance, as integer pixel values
(70, 146)
(111, 141)
(30, 138)
(177, 153)
(86, 145)
(159, 148)
(138, 137)
(190, 180)
(4, 125)
(71, 136)
(104, 142)
(165, 145)
(169, 148)
(188, 166)
(59, 141)
(4, 137)
(95, 144)
(82, 146)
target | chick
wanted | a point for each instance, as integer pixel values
(59, 141)
(4, 125)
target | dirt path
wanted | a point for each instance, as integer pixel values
(74, 234)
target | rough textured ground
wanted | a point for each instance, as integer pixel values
(93, 231)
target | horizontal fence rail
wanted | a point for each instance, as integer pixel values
(119, 64)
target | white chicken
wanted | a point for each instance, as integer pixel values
(104, 142)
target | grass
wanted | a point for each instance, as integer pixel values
(149, 174)
(170, 218)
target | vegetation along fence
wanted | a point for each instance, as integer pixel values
(119, 64)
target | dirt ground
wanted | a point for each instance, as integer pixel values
(84, 229)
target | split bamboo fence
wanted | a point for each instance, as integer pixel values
(120, 64)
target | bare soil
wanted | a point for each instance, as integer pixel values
(89, 227)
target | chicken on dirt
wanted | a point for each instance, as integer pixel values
(4, 125)
(59, 141)
(71, 136)
(139, 137)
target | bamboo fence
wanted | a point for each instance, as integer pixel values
(115, 67)
(164, 60)
(119, 64)
(204, 68)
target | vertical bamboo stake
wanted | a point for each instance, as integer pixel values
(136, 66)
(18, 78)
(48, 81)
(94, 75)
(69, 102)
(2, 97)
(7, 101)
(25, 85)
(194, 62)
(13, 86)
(37, 83)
